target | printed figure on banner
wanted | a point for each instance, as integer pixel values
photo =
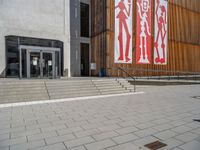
(143, 38)
(160, 43)
(123, 31)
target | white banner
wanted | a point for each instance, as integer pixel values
(143, 31)
(123, 31)
(160, 35)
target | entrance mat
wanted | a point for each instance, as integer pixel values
(155, 145)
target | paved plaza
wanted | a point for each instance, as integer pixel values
(161, 113)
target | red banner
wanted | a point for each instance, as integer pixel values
(123, 31)
(161, 32)
(143, 32)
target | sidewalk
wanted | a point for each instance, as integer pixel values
(116, 123)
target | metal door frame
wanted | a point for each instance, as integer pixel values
(28, 64)
(53, 62)
(40, 50)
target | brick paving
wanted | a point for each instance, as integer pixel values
(116, 123)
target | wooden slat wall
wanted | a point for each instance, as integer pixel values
(98, 33)
(183, 37)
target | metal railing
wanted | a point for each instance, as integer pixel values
(139, 73)
(127, 74)
(134, 73)
(130, 77)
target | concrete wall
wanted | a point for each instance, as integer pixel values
(76, 40)
(75, 37)
(49, 19)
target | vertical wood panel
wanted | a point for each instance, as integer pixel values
(183, 37)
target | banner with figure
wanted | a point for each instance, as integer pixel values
(123, 31)
(160, 29)
(143, 32)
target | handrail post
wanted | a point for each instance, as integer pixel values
(134, 80)
(178, 76)
(118, 73)
(134, 85)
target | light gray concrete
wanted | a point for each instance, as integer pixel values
(13, 91)
(117, 123)
(76, 39)
(46, 19)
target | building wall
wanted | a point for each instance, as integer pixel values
(183, 38)
(48, 19)
(99, 34)
(75, 37)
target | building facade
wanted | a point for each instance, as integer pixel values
(42, 39)
(183, 48)
(55, 38)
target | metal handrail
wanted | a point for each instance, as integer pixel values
(130, 77)
(179, 74)
(166, 71)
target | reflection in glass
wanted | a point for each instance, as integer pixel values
(85, 20)
(24, 63)
(47, 64)
(35, 65)
(57, 64)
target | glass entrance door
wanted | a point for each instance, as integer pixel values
(40, 62)
(35, 66)
(47, 65)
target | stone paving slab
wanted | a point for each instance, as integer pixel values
(114, 123)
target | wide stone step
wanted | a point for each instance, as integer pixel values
(72, 92)
(68, 82)
(74, 95)
(69, 87)
(51, 84)
(25, 90)
(22, 92)
(72, 89)
(21, 86)
(104, 82)
(117, 89)
(23, 83)
(108, 84)
(115, 92)
(108, 87)
(24, 97)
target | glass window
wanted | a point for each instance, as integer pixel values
(13, 55)
(24, 63)
(85, 20)
(12, 69)
(57, 63)
(85, 61)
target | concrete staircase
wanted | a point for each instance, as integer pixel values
(112, 86)
(24, 90)
(70, 88)
(31, 90)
